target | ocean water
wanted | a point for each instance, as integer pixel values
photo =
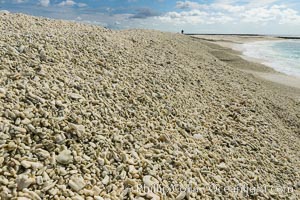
(282, 55)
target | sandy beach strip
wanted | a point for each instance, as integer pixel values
(233, 46)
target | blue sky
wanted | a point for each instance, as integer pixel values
(197, 16)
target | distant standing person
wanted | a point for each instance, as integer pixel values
(182, 31)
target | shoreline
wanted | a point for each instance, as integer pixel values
(231, 44)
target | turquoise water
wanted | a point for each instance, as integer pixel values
(283, 55)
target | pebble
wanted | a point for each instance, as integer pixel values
(33, 165)
(23, 198)
(149, 180)
(105, 181)
(48, 186)
(22, 49)
(96, 190)
(60, 138)
(78, 129)
(23, 181)
(77, 198)
(152, 196)
(39, 180)
(2, 92)
(222, 166)
(198, 136)
(31, 194)
(43, 56)
(181, 196)
(12, 51)
(64, 157)
(1, 160)
(77, 183)
(43, 154)
(76, 96)
(20, 129)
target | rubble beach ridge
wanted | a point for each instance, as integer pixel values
(91, 113)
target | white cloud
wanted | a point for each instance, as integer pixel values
(71, 3)
(257, 15)
(195, 17)
(44, 3)
(192, 17)
(248, 3)
(254, 3)
(188, 5)
(67, 3)
(225, 11)
(81, 5)
(290, 16)
(19, 1)
(276, 13)
(228, 8)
